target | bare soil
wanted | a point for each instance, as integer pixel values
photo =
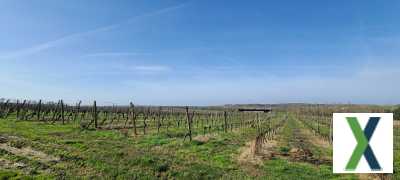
(249, 161)
(27, 152)
(255, 153)
(203, 138)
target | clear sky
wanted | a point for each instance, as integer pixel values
(201, 52)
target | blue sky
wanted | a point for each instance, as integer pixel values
(201, 52)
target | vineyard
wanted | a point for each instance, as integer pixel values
(140, 120)
(58, 140)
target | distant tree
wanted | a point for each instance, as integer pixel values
(397, 113)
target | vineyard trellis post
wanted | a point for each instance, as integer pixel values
(189, 123)
(62, 111)
(18, 109)
(128, 116)
(134, 118)
(225, 122)
(95, 114)
(39, 110)
(159, 120)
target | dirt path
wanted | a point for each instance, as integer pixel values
(299, 144)
(255, 155)
(28, 152)
(256, 152)
(300, 150)
(249, 161)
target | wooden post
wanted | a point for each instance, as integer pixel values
(95, 114)
(39, 110)
(62, 112)
(189, 122)
(134, 118)
(225, 122)
(18, 110)
(159, 120)
(232, 123)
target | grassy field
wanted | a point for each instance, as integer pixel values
(35, 150)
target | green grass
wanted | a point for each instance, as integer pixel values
(109, 154)
(5, 174)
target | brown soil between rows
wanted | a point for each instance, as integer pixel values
(254, 154)
(250, 153)
(250, 161)
(301, 144)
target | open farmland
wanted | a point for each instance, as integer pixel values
(57, 141)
